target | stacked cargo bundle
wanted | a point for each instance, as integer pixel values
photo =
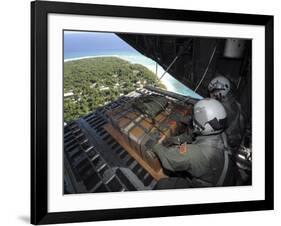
(145, 121)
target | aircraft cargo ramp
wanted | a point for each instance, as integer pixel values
(95, 160)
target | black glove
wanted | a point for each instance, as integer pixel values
(150, 143)
(171, 141)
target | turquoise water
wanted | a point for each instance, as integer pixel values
(79, 45)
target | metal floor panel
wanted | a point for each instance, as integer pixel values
(97, 162)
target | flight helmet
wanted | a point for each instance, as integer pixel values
(209, 117)
(219, 87)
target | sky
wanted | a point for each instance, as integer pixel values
(85, 44)
(79, 44)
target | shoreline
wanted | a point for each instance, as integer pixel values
(87, 57)
(169, 81)
(125, 57)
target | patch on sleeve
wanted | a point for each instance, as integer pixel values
(183, 149)
(172, 122)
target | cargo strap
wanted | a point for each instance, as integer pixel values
(224, 171)
(162, 106)
(226, 161)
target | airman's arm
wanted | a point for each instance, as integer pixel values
(183, 119)
(188, 138)
(175, 158)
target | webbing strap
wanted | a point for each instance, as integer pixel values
(225, 143)
(224, 171)
(226, 161)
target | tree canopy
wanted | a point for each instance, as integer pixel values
(93, 82)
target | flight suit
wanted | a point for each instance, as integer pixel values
(235, 122)
(234, 132)
(184, 137)
(204, 160)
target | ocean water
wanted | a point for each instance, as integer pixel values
(79, 45)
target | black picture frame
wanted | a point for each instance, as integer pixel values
(39, 112)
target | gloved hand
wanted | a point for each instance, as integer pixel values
(183, 119)
(168, 142)
(188, 120)
(175, 117)
(150, 143)
(171, 140)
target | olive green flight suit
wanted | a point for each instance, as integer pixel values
(204, 159)
(235, 132)
(235, 122)
(185, 137)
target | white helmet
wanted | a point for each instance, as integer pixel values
(209, 117)
(219, 87)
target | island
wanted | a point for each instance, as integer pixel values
(94, 82)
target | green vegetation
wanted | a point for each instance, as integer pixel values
(94, 82)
